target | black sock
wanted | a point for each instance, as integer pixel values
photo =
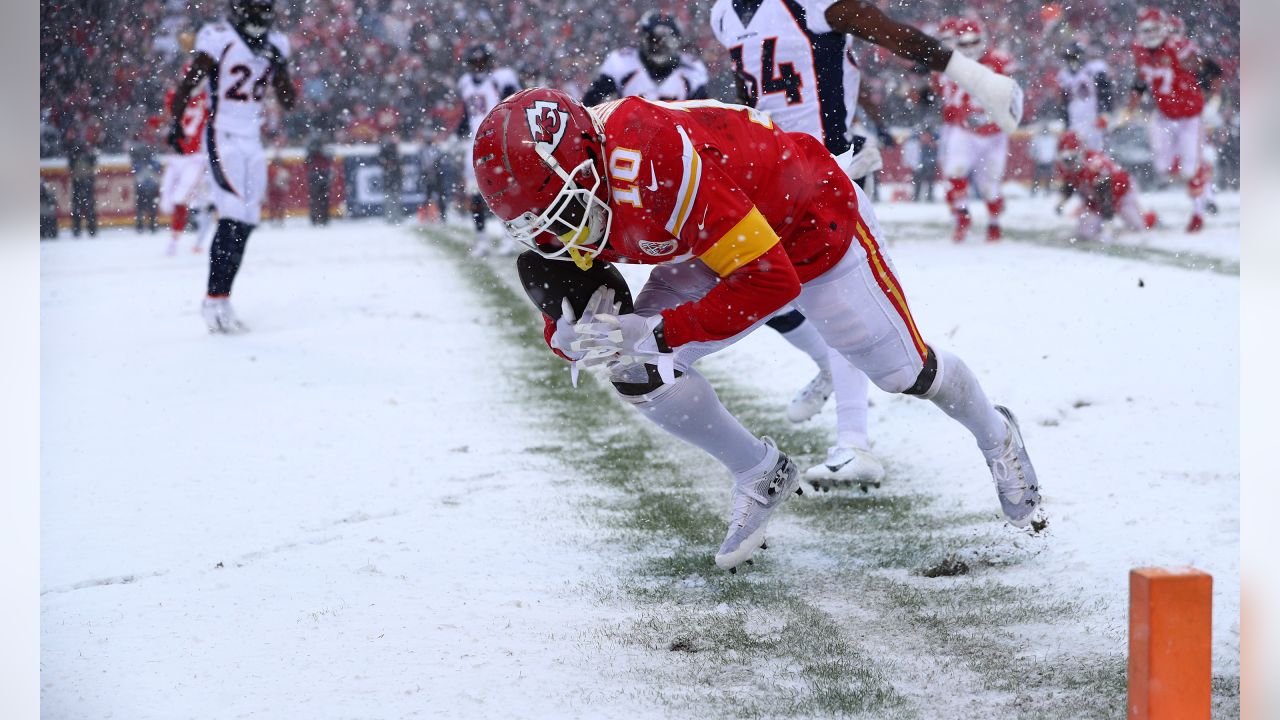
(477, 212)
(226, 254)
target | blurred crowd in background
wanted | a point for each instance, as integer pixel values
(372, 71)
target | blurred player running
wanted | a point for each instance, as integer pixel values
(1086, 95)
(184, 193)
(974, 142)
(480, 89)
(241, 57)
(1171, 68)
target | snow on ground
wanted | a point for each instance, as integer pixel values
(330, 516)
(345, 512)
(1128, 397)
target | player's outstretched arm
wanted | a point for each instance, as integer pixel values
(999, 94)
(202, 66)
(864, 20)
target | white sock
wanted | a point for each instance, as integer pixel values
(851, 386)
(806, 338)
(956, 390)
(690, 410)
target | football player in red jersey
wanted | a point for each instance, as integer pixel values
(1171, 68)
(973, 142)
(638, 181)
(1104, 188)
(182, 185)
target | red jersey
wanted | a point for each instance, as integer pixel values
(1088, 179)
(1164, 69)
(765, 209)
(194, 118)
(960, 109)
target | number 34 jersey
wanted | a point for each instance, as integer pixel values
(794, 66)
(242, 78)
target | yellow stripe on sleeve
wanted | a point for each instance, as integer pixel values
(746, 241)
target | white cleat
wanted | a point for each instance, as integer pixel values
(846, 467)
(1015, 479)
(754, 500)
(809, 401)
(219, 316)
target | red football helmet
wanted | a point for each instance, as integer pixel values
(1070, 149)
(539, 161)
(970, 41)
(947, 31)
(1153, 27)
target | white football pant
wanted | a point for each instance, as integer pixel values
(985, 156)
(238, 171)
(183, 181)
(1092, 226)
(1175, 144)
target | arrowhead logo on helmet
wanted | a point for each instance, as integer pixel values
(547, 122)
(539, 163)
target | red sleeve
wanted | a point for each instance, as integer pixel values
(549, 329)
(719, 224)
(751, 292)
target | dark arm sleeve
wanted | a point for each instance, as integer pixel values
(602, 88)
(1106, 95)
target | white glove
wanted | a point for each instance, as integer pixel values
(565, 336)
(867, 161)
(998, 94)
(626, 339)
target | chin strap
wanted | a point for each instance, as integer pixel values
(581, 259)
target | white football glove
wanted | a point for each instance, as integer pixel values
(998, 94)
(865, 162)
(626, 339)
(566, 336)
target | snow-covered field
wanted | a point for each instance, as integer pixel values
(385, 501)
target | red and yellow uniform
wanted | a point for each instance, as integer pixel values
(1164, 69)
(767, 210)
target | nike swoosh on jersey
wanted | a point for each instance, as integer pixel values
(703, 221)
(653, 178)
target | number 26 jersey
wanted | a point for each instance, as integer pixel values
(794, 66)
(242, 78)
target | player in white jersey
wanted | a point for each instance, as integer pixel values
(241, 57)
(656, 69)
(1086, 95)
(808, 81)
(480, 89)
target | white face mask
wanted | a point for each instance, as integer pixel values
(970, 47)
(577, 216)
(1151, 34)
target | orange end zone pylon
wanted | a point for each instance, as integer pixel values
(1170, 643)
